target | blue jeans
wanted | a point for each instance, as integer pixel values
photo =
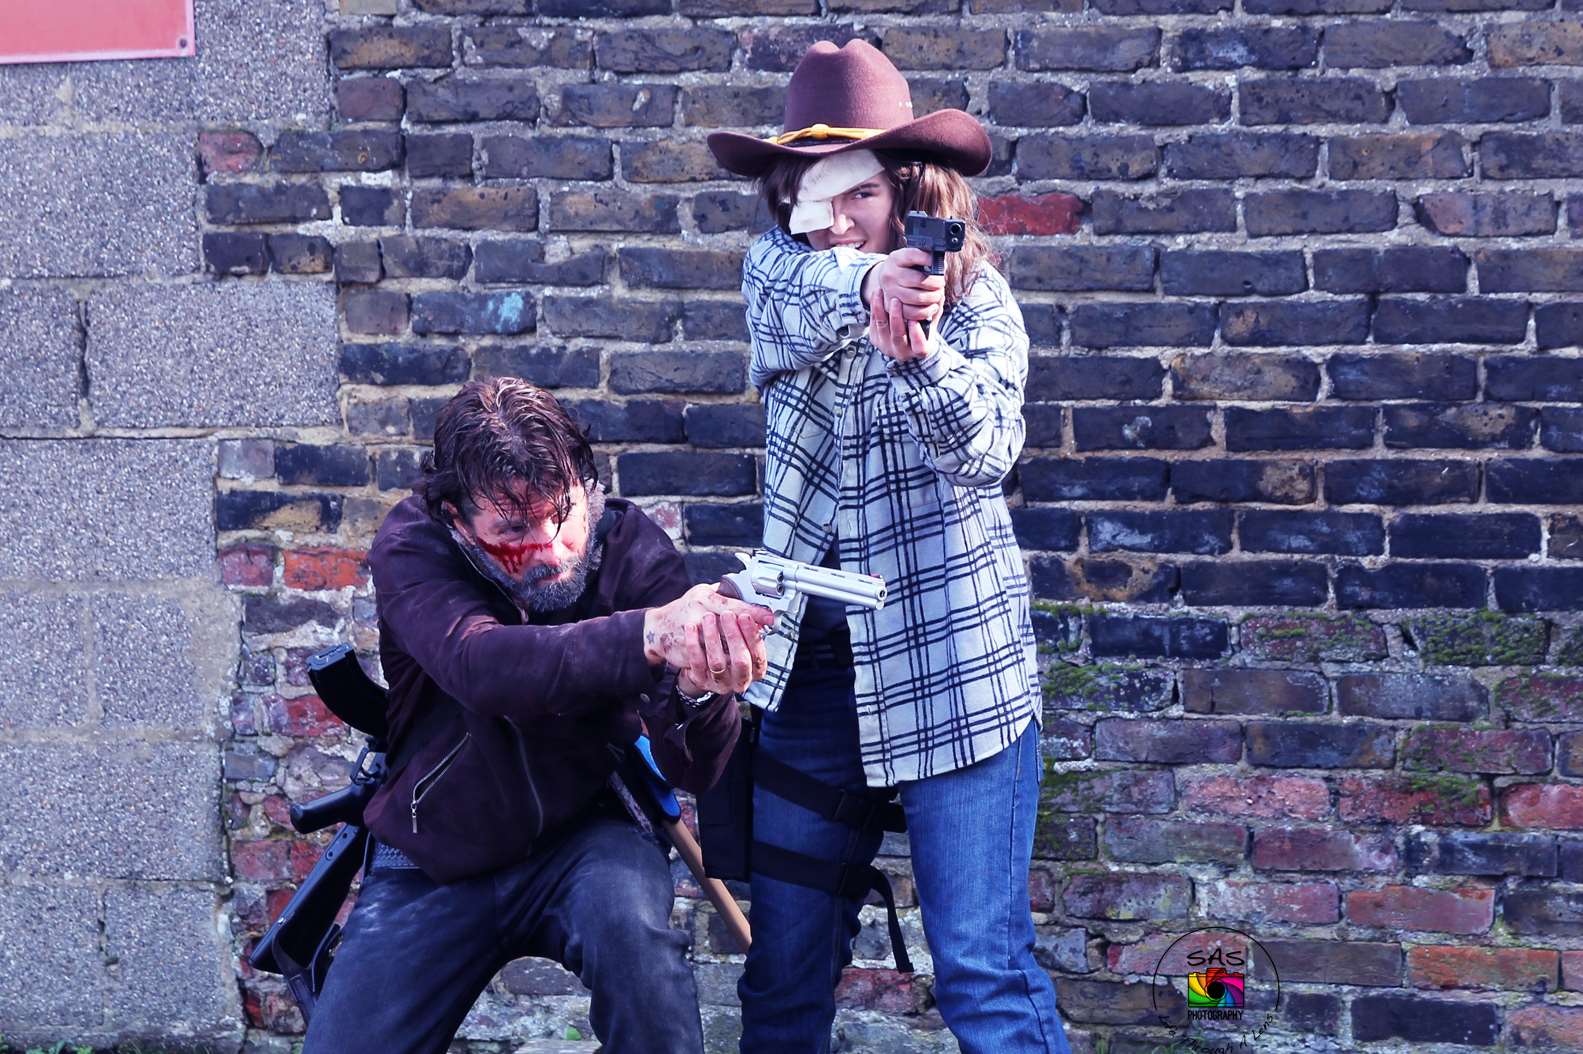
(416, 955)
(971, 833)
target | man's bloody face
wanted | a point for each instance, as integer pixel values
(541, 558)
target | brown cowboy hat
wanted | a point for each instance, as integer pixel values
(852, 98)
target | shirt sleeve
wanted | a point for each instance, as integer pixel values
(522, 673)
(963, 401)
(802, 305)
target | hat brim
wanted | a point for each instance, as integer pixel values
(951, 137)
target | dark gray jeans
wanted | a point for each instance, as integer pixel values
(416, 954)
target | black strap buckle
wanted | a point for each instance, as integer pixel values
(844, 878)
(863, 810)
(854, 810)
(867, 811)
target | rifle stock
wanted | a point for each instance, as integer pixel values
(301, 941)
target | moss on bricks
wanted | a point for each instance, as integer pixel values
(1537, 696)
(1453, 790)
(1051, 607)
(1312, 637)
(1067, 680)
(1482, 638)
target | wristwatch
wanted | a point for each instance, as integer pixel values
(694, 703)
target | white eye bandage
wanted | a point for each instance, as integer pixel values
(834, 175)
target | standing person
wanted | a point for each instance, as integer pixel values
(886, 447)
(529, 628)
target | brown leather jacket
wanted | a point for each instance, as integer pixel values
(502, 731)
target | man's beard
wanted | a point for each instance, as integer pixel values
(526, 592)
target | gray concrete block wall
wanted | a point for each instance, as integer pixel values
(113, 203)
(44, 663)
(51, 957)
(256, 62)
(174, 980)
(212, 354)
(123, 366)
(107, 510)
(115, 664)
(111, 807)
(39, 358)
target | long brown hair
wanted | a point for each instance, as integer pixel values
(919, 185)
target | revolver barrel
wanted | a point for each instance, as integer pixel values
(773, 576)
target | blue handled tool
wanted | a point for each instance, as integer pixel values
(664, 796)
(658, 785)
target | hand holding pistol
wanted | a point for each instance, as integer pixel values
(935, 236)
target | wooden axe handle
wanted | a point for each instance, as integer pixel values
(687, 848)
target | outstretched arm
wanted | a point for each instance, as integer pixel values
(529, 672)
(802, 305)
(691, 744)
(523, 673)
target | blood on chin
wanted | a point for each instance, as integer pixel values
(542, 575)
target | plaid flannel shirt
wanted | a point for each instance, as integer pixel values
(902, 462)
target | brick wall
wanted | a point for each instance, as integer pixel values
(1301, 493)
(1297, 492)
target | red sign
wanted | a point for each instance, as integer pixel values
(74, 30)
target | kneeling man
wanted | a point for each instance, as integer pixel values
(529, 630)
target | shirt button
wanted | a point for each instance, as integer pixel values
(644, 698)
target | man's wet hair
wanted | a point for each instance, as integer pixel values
(501, 441)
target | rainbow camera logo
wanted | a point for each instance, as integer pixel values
(1215, 987)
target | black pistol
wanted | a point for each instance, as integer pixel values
(936, 237)
(301, 942)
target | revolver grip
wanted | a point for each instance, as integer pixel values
(728, 588)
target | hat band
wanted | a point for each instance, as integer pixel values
(823, 131)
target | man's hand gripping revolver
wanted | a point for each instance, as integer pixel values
(713, 635)
(744, 606)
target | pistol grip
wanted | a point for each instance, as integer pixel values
(728, 588)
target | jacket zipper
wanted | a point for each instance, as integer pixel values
(527, 770)
(427, 781)
(521, 743)
(516, 733)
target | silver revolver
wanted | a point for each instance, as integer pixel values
(769, 581)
